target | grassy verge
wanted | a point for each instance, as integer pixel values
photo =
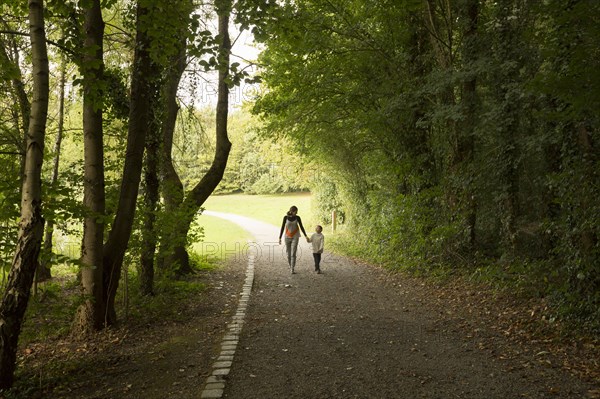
(267, 208)
(51, 312)
(222, 238)
(524, 282)
(48, 359)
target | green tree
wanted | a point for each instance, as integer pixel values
(91, 315)
(144, 74)
(14, 114)
(16, 294)
(188, 205)
(451, 130)
(570, 88)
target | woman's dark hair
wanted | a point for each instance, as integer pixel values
(293, 208)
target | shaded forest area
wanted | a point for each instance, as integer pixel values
(102, 103)
(451, 136)
(457, 135)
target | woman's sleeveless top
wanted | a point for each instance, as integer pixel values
(291, 228)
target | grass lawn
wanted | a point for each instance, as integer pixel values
(221, 238)
(268, 208)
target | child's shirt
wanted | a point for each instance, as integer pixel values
(317, 240)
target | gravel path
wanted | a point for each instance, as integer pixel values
(343, 334)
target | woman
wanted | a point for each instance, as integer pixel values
(292, 224)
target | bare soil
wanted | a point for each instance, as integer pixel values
(355, 331)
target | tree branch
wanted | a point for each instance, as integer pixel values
(52, 42)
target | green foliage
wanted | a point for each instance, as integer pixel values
(169, 302)
(13, 118)
(50, 314)
(326, 199)
(62, 205)
(463, 139)
(9, 212)
(257, 165)
(117, 96)
(201, 262)
(266, 167)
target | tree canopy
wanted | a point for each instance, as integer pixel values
(457, 133)
(458, 136)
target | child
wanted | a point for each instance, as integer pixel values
(317, 240)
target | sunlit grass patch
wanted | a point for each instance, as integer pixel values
(222, 240)
(267, 208)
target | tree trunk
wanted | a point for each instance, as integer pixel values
(508, 131)
(20, 279)
(149, 240)
(167, 107)
(91, 314)
(460, 191)
(466, 139)
(552, 209)
(172, 187)
(24, 105)
(441, 39)
(586, 148)
(212, 178)
(43, 272)
(151, 197)
(139, 114)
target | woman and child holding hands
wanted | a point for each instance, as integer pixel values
(292, 225)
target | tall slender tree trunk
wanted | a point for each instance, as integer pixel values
(91, 314)
(139, 114)
(460, 195)
(511, 180)
(508, 131)
(199, 194)
(18, 288)
(151, 197)
(466, 137)
(24, 105)
(588, 156)
(172, 187)
(23, 101)
(552, 209)
(43, 272)
(160, 173)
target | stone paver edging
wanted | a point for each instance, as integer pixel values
(215, 383)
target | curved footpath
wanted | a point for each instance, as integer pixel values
(341, 334)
